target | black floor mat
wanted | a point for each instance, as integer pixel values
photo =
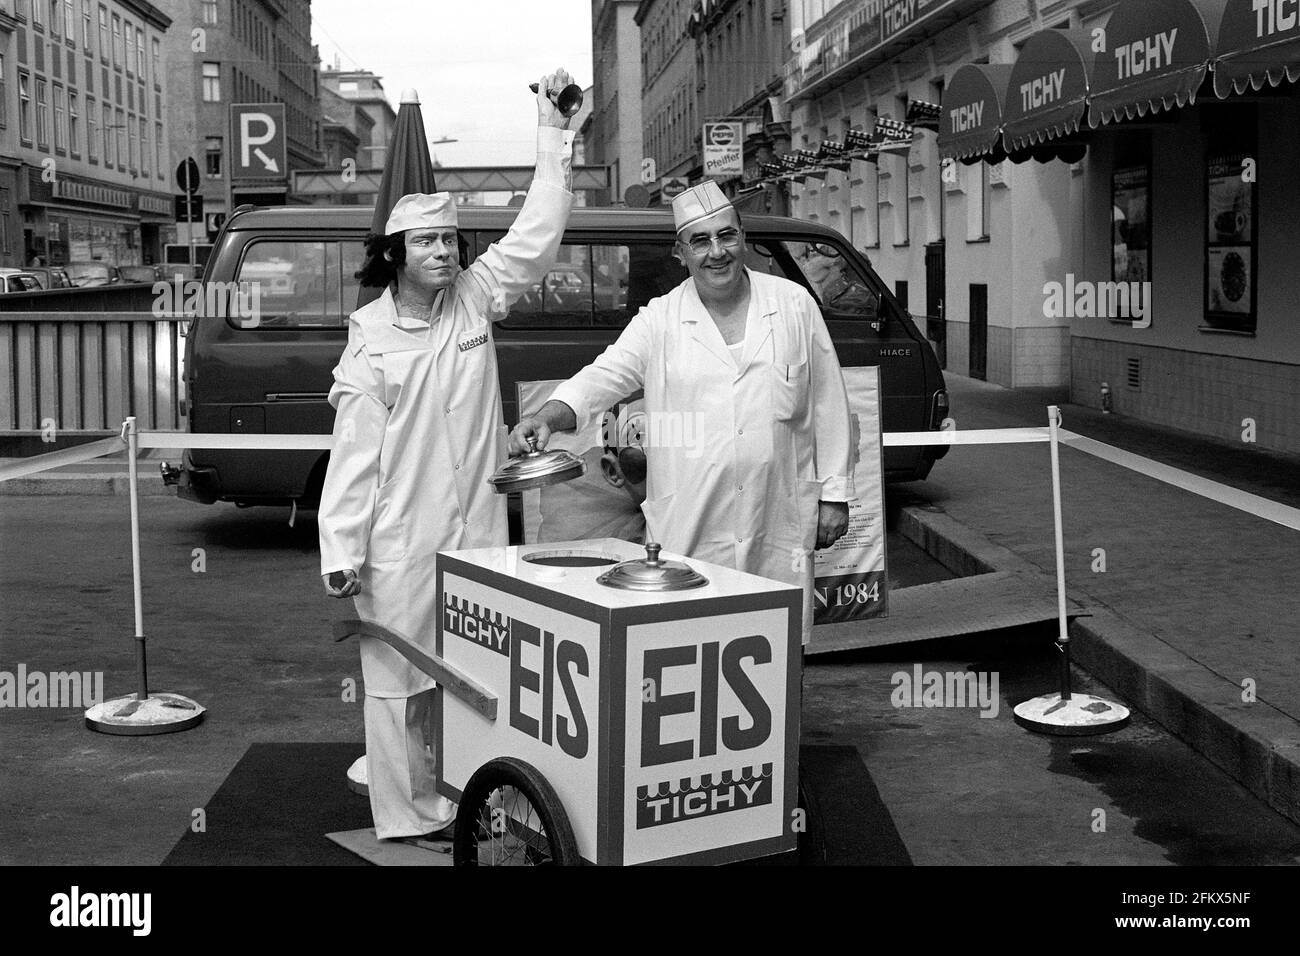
(281, 799)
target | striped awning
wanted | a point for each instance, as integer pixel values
(1258, 44)
(1047, 96)
(970, 121)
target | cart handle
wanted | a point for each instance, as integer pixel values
(447, 676)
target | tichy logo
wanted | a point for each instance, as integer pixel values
(665, 803)
(478, 624)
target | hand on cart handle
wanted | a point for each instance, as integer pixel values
(341, 584)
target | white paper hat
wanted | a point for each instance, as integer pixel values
(698, 202)
(422, 211)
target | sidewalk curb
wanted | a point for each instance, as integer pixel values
(1253, 743)
(68, 484)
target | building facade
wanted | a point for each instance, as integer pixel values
(83, 132)
(614, 134)
(365, 91)
(670, 89)
(1106, 199)
(224, 52)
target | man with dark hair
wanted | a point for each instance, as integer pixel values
(747, 435)
(417, 434)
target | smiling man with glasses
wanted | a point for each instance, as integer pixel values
(749, 451)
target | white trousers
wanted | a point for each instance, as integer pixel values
(399, 767)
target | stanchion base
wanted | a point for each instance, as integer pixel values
(156, 714)
(1079, 716)
(358, 782)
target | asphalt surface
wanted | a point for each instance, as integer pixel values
(248, 638)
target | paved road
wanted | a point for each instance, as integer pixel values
(247, 639)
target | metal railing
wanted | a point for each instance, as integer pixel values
(88, 371)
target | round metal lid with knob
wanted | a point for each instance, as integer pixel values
(536, 469)
(652, 574)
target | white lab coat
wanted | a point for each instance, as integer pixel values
(738, 457)
(419, 431)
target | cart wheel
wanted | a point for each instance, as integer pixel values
(812, 841)
(510, 816)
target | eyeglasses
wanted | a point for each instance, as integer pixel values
(703, 245)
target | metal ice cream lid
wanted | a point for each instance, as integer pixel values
(652, 574)
(536, 469)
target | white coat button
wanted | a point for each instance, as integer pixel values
(740, 431)
(458, 466)
(740, 487)
(447, 410)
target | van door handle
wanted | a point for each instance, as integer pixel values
(297, 396)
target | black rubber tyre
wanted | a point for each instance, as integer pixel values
(526, 828)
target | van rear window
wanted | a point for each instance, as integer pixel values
(301, 283)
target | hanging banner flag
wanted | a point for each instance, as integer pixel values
(723, 150)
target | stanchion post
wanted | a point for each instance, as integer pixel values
(132, 449)
(1063, 625)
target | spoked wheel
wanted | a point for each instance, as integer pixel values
(510, 816)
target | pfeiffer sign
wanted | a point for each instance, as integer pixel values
(723, 150)
(666, 722)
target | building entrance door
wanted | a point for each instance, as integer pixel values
(935, 285)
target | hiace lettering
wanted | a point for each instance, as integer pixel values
(562, 660)
(1275, 16)
(74, 909)
(711, 661)
(953, 689)
(57, 689)
(967, 117)
(242, 300)
(1041, 91)
(1098, 300)
(1147, 55)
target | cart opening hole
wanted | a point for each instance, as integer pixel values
(570, 559)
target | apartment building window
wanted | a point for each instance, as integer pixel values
(69, 22)
(139, 53)
(38, 14)
(92, 130)
(157, 60)
(42, 115)
(128, 29)
(144, 147)
(55, 16)
(85, 24)
(74, 135)
(103, 33)
(4, 94)
(212, 157)
(117, 40)
(120, 127)
(209, 11)
(212, 82)
(133, 136)
(60, 118)
(158, 149)
(110, 154)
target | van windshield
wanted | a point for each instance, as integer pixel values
(300, 283)
(835, 281)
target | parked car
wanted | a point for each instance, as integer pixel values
(18, 280)
(273, 376)
(140, 273)
(94, 273)
(52, 277)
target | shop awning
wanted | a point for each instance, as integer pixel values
(970, 120)
(1157, 52)
(1256, 46)
(1047, 95)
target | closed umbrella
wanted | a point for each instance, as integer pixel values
(408, 168)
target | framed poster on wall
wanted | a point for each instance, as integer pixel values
(1230, 301)
(1131, 225)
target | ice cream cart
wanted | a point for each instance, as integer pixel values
(649, 717)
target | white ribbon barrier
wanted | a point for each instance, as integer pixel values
(227, 442)
(65, 456)
(975, 436)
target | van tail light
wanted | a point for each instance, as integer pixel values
(938, 409)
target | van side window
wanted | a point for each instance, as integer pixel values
(300, 283)
(840, 289)
(596, 285)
